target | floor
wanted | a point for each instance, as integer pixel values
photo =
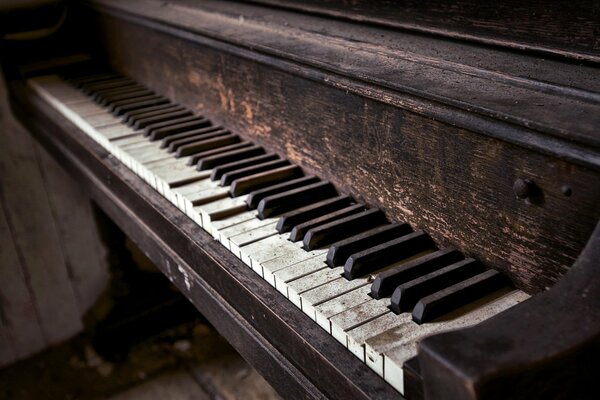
(190, 361)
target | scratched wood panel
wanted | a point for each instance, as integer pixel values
(85, 257)
(559, 26)
(452, 182)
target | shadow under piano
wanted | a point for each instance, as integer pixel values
(368, 200)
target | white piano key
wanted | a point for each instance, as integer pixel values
(103, 119)
(87, 108)
(298, 286)
(208, 195)
(118, 131)
(269, 267)
(343, 308)
(313, 297)
(356, 337)
(295, 271)
(251, 236)
(269, 248)
(356, 316)
(217, 208)
(54, 86)
(339, 304)
(410, 332)
(233, 220)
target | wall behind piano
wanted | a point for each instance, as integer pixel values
(52, 263)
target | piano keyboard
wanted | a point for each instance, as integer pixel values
(375, 286)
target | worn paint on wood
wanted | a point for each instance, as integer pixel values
(453, 183)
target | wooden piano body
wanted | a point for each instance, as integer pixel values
(434, 114)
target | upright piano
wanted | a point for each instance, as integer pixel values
(367, 199)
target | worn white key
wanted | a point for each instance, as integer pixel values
(209, 195)
(103, 119)
(356, 337)
(298, 286)
(220, 209)
(236, 242)
(330, 290)
(216, 226)
(171, 172)
(87, 108)
(117, 131)
(409, 333)
(269, 267)
(296, 271)
(54, 86)
(247, 226)
(269, 248)
(356, 316)
(339, 304)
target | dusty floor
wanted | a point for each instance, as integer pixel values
(188, 362)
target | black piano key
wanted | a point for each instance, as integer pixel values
(300, 230)
(155, 119)
(388, 280)
(287, 221)
(385, 254)
(194, 159)
(339, 252)
(120, 106)
(87, 79)
(104, 94)
(130, 116)
(173, 142)
(153, 130)
(343, 228)
(265, 179)
(90, 89)
(197, 123)
(85, 83)
(106, 101)
(280, 203)
(451, 298)
(219, 171)
(408, 294)
(151, 114)
(224, 158)
(231, 176)
(256, 196)
(199, 146)
(140, 105)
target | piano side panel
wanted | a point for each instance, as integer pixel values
(454, 183)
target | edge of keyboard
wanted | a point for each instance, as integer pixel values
(218, 283)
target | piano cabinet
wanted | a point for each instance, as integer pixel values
(484, 139)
